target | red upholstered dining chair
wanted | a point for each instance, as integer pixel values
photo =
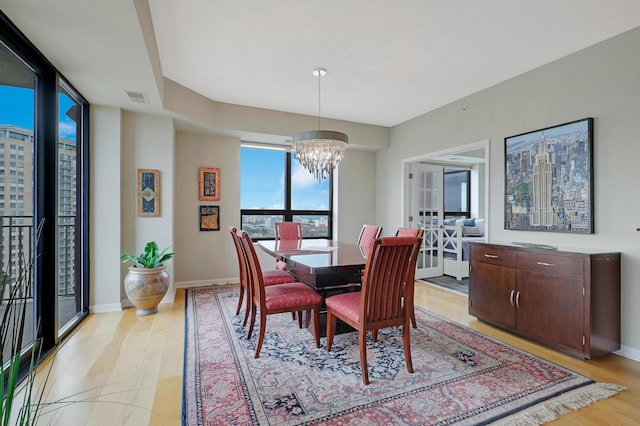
(410, 232)
(267, 300)
(368, 233)
(383, 301)
(287, 231)
(270, 277)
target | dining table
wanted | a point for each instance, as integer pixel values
(323, 264)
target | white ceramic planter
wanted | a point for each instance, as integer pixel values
(146, 287)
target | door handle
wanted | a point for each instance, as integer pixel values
(511, 297)
(518, 299)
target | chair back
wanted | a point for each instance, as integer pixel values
(368, 234)
(288, 231)
(410, 232)
(237, 244)
(253, 269)
(387, 284)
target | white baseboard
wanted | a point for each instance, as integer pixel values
(206, 283)
(629, 352)
(170, 297)
(106, 307)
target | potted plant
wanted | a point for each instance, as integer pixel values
(147, 281)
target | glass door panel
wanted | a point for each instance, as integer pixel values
(426, 207)
(17, 105)
(68, 280)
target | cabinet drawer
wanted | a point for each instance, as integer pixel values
(552, 264)
(494, 254)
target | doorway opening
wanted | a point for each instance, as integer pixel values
(444, 253)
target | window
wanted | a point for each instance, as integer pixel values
(31, 87)
(274, 187)
(457, 193)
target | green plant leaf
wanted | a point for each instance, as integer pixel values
(152, 257)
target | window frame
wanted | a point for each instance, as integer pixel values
(288, 213)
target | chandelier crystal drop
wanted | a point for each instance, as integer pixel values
(319, 151)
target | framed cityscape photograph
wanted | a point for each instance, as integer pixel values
(209, 184)
(209, 218)
(549, 179)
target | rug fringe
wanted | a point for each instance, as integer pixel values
(548, 411)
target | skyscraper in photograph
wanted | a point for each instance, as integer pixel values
(542, 180)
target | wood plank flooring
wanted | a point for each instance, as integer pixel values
(127, 370)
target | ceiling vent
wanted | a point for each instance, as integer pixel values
(137, 97)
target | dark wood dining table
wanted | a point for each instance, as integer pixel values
(322, 264)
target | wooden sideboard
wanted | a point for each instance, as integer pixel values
(566, 299)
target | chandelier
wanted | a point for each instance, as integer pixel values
(319, 151)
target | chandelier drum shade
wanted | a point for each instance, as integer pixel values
(319, 151)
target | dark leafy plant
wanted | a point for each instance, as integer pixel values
(152, 257)
(13, 295)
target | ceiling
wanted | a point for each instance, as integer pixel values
(387, 62)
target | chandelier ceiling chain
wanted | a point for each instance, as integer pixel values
(319, 151)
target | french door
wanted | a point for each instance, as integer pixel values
(425, 205)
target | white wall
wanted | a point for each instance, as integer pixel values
(356, 194)
(147, 143)
(104, 239)
(601, 82)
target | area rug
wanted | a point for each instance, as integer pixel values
(461, 376)
(450, 283)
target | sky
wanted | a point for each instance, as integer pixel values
(515, 142)
(17, 109)
(262, 182)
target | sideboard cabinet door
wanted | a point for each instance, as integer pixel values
(550, 309)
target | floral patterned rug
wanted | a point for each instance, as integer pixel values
(461, 376)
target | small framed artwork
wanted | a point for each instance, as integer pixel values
(209, 184)
(148, 192)
(549, 179)
(209, 218)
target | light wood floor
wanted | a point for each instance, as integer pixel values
(133, 367)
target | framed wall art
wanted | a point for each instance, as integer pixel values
(209, 184)
(148, 192)
(209, 218)
(549, 179)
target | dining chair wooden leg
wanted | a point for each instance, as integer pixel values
(252, 323)
(331, 329)
(247, 309)
(374, 335)
(406, 342)
(240, 297)
(263, 326)
(413, 318)
(364, 366)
